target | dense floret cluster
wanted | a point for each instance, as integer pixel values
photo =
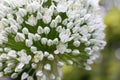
(37, 37)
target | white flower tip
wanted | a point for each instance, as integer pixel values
(37, 37)
(33, 48)
(58, 19)
(47, 67)
(46, 19)
(88, 68)
(28, 42)
(32, 20)
(24, 76)
(40, 30)
(39, 73)
(20, 66)
(46, 30)
(34, 65)
(44, 41)
(14, 75)
(62, 7)
(56, 52)
(30, 78)
(53, 24)
(76, 43)
(46, 54)
(60, 64)
(19, 37)
(25, 30)
(49, 42)
(38, 56)
(12, 54)
(50, 57)
(75, 52)
(55, 41)
(70, 62)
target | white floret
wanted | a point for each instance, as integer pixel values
(19, 37)
(47, 67)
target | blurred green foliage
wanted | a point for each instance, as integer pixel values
(108, 67)
(112, 20)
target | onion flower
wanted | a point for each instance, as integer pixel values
(37, 37)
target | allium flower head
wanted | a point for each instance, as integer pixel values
(38, 37)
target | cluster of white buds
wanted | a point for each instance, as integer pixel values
(38, 37)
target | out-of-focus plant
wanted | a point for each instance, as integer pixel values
(112, 20)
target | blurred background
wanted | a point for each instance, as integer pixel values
(108, 66)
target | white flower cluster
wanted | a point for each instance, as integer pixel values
(38, 37)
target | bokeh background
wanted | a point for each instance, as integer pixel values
(107, 67)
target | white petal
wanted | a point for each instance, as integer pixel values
(2, 15)
(22, 12)
(65, 36)
(64, 22)
(34, 65)
(12, 54)
(44, 41)
(60, 64)
(25, 30)
(55, 41)
(56, 52)
(40, 30)
(49, 42)
(53, 24)
(46, 30)
(39, 73)
(39, 15)
(32, 20)
(89, 61)
(3, 56)
(28, 42)
(46, 19)
(19, 37)
(50, 57)
(20, 65)
(47, 67)
(62, 7)
(14, 75)
(58, 19)
(30, 78)
(70, 62)
(70, 25)
(87, 49)
(59, 29)
(76, 43)
(30, 36)
(24, 76)
(37, 37)
(19, 19)
(88, 68)
(14, 29)
(46, 53)
(38, 56)
(75, 52)
(61, 48)
(33, 48)
(5, 22)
